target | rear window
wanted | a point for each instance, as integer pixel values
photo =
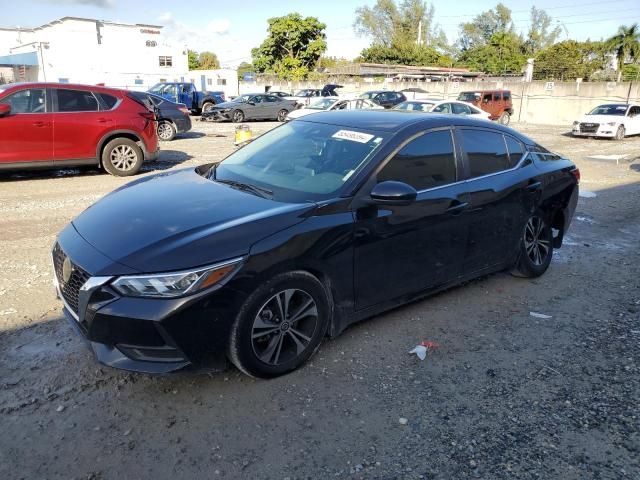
(516, 150)
(486, 152)
(107, 102)
(76, 101)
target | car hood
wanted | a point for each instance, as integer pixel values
(229, 104)
(179, 220)
(601, 118)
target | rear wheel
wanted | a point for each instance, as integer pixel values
(166, 131)
(620, 133)
(536, 247)
(122, 157)
(237, 116)
(280, 326)
(504, 118)
(282, 115)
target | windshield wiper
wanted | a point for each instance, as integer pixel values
(247, 187)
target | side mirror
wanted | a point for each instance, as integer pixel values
(251, 103)
(5, 109)
(393, 193)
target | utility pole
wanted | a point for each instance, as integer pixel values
(420, 32)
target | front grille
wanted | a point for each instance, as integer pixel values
(71, 288)
(589, 127)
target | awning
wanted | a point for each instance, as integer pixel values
(28, 59)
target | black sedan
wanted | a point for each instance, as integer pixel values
(173, 118)
(384, 98)
(315, 225)
(251, 106)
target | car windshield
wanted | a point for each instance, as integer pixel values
(301, 161)
(322, 104)
(414, 106)
(609, 110)
(304, 93)
(469, 96)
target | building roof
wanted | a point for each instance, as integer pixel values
(79, 19)
(358, 69)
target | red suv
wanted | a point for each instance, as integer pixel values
(61, 125)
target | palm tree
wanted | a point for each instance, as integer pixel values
(626, 44)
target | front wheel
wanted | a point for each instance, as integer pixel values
(237, 116)
(280, 326)
(122, 157)
(620, 133)
(166, 131)
(504, 118)
(207, 107)
(282, 115)
(536, 247)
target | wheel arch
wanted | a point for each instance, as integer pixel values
(118, 134)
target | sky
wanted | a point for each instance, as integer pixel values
(232, 29)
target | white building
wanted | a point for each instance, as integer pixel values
(82, 50)
(223, 79)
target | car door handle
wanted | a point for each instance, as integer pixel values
(534, 185)
(41, 124)
(104, 120)
(457, 207)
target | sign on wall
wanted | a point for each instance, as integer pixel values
(549, 86)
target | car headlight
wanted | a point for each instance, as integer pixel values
(612, 124)
(176, 284)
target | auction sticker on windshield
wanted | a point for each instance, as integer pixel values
(353, 136)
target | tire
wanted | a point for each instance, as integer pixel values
(207, 107)
(122, 157)
(536, 247)
(237, 116)
(262, 344)
(282, 115)
(504, 118)
(620, 133)
(166, 131)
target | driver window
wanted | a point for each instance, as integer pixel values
(256, 99)
(27, 101)
(426, 162)
(634, 111)
(444, 108)
(486, 98)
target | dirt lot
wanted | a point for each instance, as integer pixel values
(506, 396)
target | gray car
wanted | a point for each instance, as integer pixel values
(251, 106)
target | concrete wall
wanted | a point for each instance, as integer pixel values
(532, 102)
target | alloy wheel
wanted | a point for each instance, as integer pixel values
(282, 115)
(284, 326)
(536, 243)
(123, 157)
(165, 131)
(238, 116)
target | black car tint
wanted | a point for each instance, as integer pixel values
(426, 162)
(486, 151)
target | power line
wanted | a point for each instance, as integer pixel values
(549, 8)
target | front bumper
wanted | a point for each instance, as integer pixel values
(216, 115)
(151, 335)
(604, 131)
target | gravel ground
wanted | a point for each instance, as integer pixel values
(506, 395)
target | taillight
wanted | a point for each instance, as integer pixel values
(148, 115)
(184, 110)
(576, 173)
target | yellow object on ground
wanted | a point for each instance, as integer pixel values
(243, 134)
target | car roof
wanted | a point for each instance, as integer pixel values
(425, 100)
(76, 86)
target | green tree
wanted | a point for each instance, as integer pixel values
(192, 57)
(407, 55)
(626, 45)
(292, 48)
(501, 53)
(631, 72)
(400, 26)
(568, 60)
(479, 31)
(243, 68)
(541, 35)
(208, 61)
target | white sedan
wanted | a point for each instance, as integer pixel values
(453, 107)
(333, 103)
(615, 120)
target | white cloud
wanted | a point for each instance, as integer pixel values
(219, 26)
